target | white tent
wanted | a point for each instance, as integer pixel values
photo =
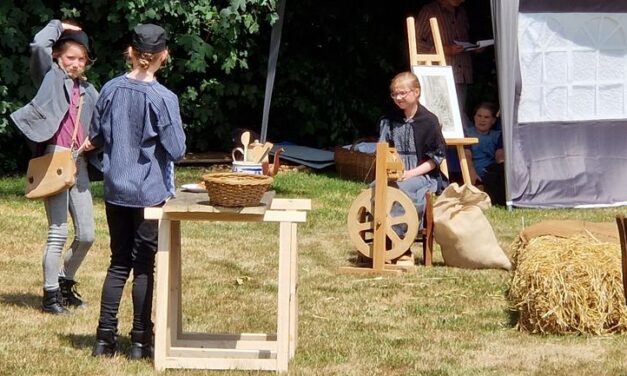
(562, 70)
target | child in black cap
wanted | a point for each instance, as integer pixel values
(138, 123)
(59, 58)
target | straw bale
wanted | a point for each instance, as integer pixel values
(568, 285)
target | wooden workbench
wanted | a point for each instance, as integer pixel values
(264, 351)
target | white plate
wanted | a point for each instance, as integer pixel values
(193, 188)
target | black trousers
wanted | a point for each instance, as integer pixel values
(494, 183)
(133, 248)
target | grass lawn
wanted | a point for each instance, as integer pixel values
(438, 321)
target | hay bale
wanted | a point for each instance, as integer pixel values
(568, 285)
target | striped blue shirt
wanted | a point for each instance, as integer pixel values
(139, 126)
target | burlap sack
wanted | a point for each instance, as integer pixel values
(465, 236)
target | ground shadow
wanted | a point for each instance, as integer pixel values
(86, 341)
(22, 300)
(358, 260)
(512, 318)
(79, 341)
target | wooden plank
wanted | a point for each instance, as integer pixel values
(462, 141)
(380, 212)
(226, 344)
(175, 311)
(367, 271)
(182, 352)
(459, 144)
(268, 216)
(223, 217)
(185, 202)
(416, 58)
(290, 204)
(221, 363)
(194, 336)
(162, 301)
(293, 325)
(283, 296)
(285, 216)
(153, 213)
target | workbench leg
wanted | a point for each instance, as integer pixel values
(175, 308)
(293, 341)
(162, 288)
(283, 293)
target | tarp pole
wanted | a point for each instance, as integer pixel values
(275, 42)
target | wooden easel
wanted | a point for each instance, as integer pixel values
(438, 58)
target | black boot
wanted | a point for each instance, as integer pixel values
(141, 344)
(106, 342)
(53, 303)
(71, 297)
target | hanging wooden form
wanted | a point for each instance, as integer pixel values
(438, 58)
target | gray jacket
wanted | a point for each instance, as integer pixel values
(40, 119)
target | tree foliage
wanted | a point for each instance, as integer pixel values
(209, 42)
(335, 62)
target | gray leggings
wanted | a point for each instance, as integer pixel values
(78, 201)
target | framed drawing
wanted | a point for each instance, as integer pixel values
(439, 96)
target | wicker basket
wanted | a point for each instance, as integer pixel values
(353, 164)
(236, 189)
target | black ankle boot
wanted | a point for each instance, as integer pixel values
(53, 303)
(141, 344)
(106, 342)
(71, 297)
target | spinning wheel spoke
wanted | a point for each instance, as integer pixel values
(393, 236)
(400, 219)
(363, 226)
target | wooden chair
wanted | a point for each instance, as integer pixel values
(622, 232)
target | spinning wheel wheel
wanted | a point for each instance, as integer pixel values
(361, 223)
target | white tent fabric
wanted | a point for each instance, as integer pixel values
(559, 158)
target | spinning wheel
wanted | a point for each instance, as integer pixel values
(361, 223)
(379, 214)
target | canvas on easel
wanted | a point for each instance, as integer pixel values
(438, 95)
(440, 92)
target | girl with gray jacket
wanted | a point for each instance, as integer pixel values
(59, 57)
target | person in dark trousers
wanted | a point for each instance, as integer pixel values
(59, 58)
(138, 123)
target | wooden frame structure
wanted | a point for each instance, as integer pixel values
(175, 348)
(438, 58)
(385, 170)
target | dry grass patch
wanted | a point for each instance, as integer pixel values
(438, 321)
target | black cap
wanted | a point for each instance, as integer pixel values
(77, 36)
(149, 38)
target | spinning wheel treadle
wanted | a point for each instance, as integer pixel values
(361, 224)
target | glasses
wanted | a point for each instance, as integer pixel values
(400, 94)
